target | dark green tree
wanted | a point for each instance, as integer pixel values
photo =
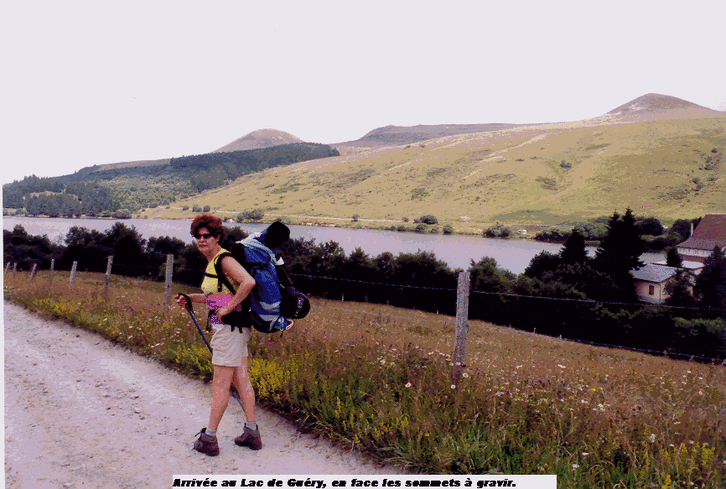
(128, 250)
(679, 290)
(542, 262)
(574, 250)
(619, 253)
(673, 258)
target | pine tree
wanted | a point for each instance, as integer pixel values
(673, 258)
(574, 249)
(619, 253)
(679, 290)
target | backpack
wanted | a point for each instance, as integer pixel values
(272, 303)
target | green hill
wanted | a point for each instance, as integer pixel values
(660, 156)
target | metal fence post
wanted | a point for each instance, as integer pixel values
(167, 283)
(108, 275)
(73, 274)
(52, 267)
(462, 326)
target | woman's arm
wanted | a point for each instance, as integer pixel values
(181, 301)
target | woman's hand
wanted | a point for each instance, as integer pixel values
(222, 311)
(181, 301)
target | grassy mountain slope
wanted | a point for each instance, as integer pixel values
(658, 160)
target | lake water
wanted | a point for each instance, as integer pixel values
(456, 251)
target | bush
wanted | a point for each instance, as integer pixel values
(497, 231)
(553, 235)
(253, 215)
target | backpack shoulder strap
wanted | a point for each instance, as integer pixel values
(221, 277)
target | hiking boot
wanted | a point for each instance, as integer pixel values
(250, 438)
(207, 444)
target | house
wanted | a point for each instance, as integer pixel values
(651, 280)
(709, 233)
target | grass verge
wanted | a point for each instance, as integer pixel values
(377, 379)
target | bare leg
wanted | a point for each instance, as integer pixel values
(241, 380)
(221, 382)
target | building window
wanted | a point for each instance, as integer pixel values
(651, 289)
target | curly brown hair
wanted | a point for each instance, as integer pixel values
(212, 223)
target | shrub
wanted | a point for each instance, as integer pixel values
(497, 231)
(553, 235)
(253, 215)
(427, 219)
(419, 193)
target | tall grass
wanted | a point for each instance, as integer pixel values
(377, 379)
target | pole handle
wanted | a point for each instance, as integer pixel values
(188, 305)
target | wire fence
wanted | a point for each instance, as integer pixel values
(167, 270)
(637, 399)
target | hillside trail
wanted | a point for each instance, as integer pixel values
(82, 412)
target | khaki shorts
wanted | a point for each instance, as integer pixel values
(229, 347)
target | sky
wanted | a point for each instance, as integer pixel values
(96, 82)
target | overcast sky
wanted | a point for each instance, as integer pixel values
(95, 82)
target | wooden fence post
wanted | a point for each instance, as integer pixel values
(52, 267)
(7, 267)
(32, 272)
(15, 269)
(108, 275)
(167, 283)
(73, 274)
(462, 326)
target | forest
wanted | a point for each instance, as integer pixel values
(99, 192)
(568, 294)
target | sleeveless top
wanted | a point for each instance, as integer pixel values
(210, 283)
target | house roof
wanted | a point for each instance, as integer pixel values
(687, 265)
(709, 233)
(654, 273)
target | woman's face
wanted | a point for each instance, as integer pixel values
(205, 240)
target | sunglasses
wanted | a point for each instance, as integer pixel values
(205, 235)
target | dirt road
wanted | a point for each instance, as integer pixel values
(80, 412)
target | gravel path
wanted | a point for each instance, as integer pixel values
(81, 412)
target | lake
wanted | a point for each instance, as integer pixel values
(456, 251)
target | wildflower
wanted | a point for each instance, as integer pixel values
(408, 384)
(585, 454)
(651, 438)
(453, 386)
(465, 375)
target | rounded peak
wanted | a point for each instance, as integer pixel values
(653, 102)
(261, 138)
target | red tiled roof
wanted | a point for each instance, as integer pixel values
(710, 232)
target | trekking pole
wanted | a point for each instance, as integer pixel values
(190, 310)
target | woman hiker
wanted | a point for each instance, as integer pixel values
(229, 344)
